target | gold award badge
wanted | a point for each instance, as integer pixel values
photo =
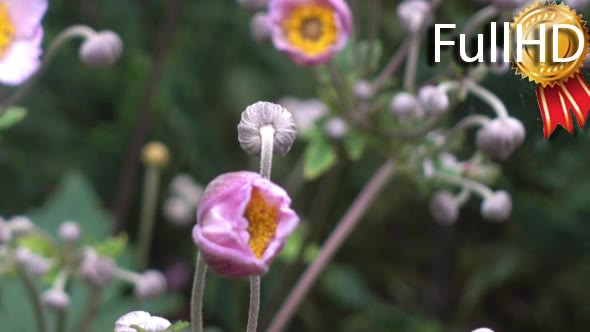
(549, 46)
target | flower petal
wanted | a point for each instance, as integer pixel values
(21, 60)
(26, 16)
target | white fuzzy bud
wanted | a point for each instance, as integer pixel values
(404, 104)
(152, 284)
(414, 14)
(263, 114)
(56, 299)
(178, 211)
(101, 49)
(253, 4)
(143, 320)
(498, 207)
(34, 264)
(260, 28)
(500, 137)
(444, 208)
(97, 271)
(433, 99)
(20, 225)
(69, 232)
(363, 90)
(336, 128)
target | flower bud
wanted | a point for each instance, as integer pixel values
(56, 299)
(143, 320)
(5, 232)
(253, 4)
(363, 90)
(69, 232)
(101, 50)
(444, 208)
(260, 28)
(483, 329)
(498, 207)
(336, 128)
(263, 114)
(152, 284)
(404, 104)
(178, 211)
(155, 154)
(243, 221)
(97, 271)
(20, 225)
(433, 99)
(500, 137)
(305, 112)
(414, 14)
(34, 264)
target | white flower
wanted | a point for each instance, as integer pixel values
(142, 320)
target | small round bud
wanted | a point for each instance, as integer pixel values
(483, 329)
(444, 208)
(500, 137)
(143, 320)
(263, 114)
(414, 14)
(20, 225)
(305, 112)
(56, 299)
(433, 99)
(69, 232)
(34, 264)
(336, 128)
(101, 50)
(404, 104)
(152, 284)
(155, 154)
(97, 271)
(5, 232)
(498, 207)
(363, 90)
(260, 28)
(178, 211)
(253, 4)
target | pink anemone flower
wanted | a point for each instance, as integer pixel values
(310, 32)
(243, 221)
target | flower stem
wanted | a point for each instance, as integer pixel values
(393, 65)
(348, 222)
(254, 304)
(412, 63)
(35, 299)
(267, 135)
(90, 311)
(479, 188)
(491, 99)
(197, 296)
(75, 31)
(148, 211)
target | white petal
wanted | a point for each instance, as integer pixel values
(26, 15)
(21, 60)
(155, 324)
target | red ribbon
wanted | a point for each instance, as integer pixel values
(556, 102)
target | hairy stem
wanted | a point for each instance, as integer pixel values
(267, 134)
(35, 299)
(254, 304)
(198, 294)
(345, 226)
(412, 63)
(148, 213)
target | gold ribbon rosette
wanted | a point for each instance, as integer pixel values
(553, 47)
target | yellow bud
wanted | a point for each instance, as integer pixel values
(155, 154)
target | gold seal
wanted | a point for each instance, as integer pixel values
(548, 73)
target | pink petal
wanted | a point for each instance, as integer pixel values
(21, 59)
(26, 15)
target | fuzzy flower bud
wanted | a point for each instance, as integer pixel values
(97, 271)
(243, 221)
(500, 137)
(336, 128)
(404, 104)
(444, 208)
(102, 49)
(260, 28)
(152, 284)
(498, 207)
(155, 154)
(414, 14)
(253, 4)
(433, 99)
(178, 211)
(56, 299)
(363, 90)
(20, 225)
(34, 264)
(305, 112)
(143, 320)
(263, 114)
(69, 232)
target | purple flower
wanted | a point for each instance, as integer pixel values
(21, 34)
(243, 222)
(310, 32)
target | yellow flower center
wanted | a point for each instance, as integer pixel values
(312, 29)
(262, 222)
(6, 29)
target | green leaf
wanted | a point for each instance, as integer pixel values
(178, 326)
(355, 146)
(113, 246)
(320, 156)
(12, 116)
(38, 244)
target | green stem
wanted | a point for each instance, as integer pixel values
(148, 212)
(198, 294)
(35, 299)
(92, 307)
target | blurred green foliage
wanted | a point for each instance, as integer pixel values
(398, 272)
